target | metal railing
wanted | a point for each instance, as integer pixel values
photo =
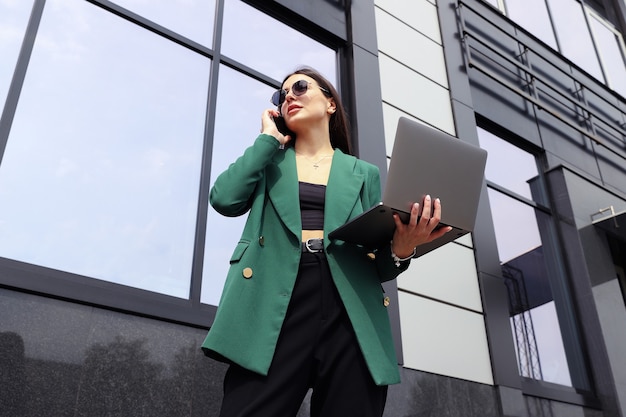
(522, 323)
(530, 80)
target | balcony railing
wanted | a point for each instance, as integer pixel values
(510, 56)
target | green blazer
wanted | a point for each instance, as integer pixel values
(264, 264)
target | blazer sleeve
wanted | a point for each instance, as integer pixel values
(232, 191)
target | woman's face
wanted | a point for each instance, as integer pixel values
(307, 109)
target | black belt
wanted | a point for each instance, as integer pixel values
(313, 245)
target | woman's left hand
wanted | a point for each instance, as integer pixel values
(422, 227)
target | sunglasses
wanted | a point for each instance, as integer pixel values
(298, 88)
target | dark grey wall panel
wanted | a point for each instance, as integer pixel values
(538, 406)
(367, 111)
(69, 359)
(423, 394)
(613, 170)
(465, 122)
(329, 15)
(589, 264)
(455, 62)
(567, 145)
(588, 197)
(498, 325)
(363, 30)
(504, 108)
(60, 359)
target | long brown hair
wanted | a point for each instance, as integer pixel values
(338, 126)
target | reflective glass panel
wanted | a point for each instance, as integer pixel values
(193, 19)
(270, 46)
(101, 171)
(611, 47)
(508, 165)
(237, 124)
(13, 20)
(574, 37)
(532, 15)
(534, 322)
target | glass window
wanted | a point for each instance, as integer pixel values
(193, 19)
(610, 45)
(237, 124)
(533, 16)
(516, 237)
(101, 171)
(574, 37)
(270, 46)
(534, 321)
(530, 261)
(13, 20)
(514, 172)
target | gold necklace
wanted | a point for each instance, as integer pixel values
(315, 163)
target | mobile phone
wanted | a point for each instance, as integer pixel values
(281, 125)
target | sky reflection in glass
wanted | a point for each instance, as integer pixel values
(101, 171)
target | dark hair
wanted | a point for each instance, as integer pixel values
(338, 126)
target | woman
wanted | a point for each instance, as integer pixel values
(299, 311)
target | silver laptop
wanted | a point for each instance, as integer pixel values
(423, 161)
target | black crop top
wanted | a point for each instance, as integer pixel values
(312, 197)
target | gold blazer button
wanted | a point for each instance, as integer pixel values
(247, 273)
(386, 301)
(261, 241)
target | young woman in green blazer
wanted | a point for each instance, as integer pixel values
(299, 311)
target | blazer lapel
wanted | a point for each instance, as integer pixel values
(342, 191)
(282, 185)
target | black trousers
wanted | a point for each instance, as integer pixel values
(317, 349)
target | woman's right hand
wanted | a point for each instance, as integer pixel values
(421, 228)
(268, 126)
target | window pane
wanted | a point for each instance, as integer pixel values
(532, 15)
(534, 320)
(611, 47)
(13, 20)
(574, 37)
(508, 165)
(237, 124)
(515, 226)
(269, 46)
(101, 171)
(191, 18)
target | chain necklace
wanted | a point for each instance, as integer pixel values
(315, 163)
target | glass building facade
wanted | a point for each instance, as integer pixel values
(117, 116)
